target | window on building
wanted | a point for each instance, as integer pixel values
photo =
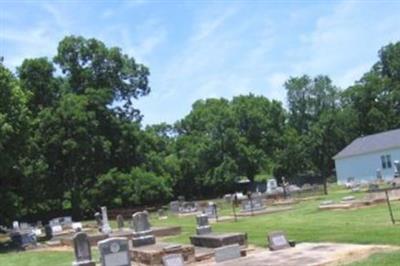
(383, 160)
(388, 161)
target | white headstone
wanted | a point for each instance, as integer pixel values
(106, 228)
(77, 225)
(56, 229)
(16, 225)
(173, 260)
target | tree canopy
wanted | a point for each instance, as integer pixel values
(71, 137)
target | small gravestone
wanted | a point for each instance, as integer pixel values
(327, 202)
(272, 185)
(48, 232)
(161, 214)
(348, 198)
(15, 225)
(77, 226)
(39, 224)
(174, 206)
(173, 260)
(37, 231)
(114, 252)
(142, 234)
(56, 229)
(211, 210)
(202, 225)
(120, 222)
(277, 240)
(97, 217)
(229, 252)
(187, 207)
(83, 254)
(105, 228)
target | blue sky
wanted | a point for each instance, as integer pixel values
(201, 49)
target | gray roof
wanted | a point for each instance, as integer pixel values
(371, 143)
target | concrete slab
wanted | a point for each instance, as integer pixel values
(309, 254)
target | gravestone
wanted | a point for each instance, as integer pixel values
(56, 229)
(97, 217)
(37, 231)
(77, 226)
(187, 207)
(83, 254)
(202, 225)
(348, 198)
(327, 202)
(23, 238)
(211, 210)
(65, 221)
(25, 226)
(272, 185)
(15, 225)
(142, 233)
(48, 232)
(181, 199)
(229, 252)
(277, 241)
(174, 206)
(161, 214)
(173, 260)
(114, 252)
(120, 221)
(105, 228)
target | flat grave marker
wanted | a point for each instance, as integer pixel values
(173, 260)
(277, 241)
(229, 252)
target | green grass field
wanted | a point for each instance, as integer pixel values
(305, 223)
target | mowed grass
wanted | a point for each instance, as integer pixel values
(304, 223)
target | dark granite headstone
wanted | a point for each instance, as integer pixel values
(48, 232)
(142, 233)
(229, 252)
(114, 252)
(173, 260)
(83, 254)
(202, 225)
(97, 217)
(277, 240)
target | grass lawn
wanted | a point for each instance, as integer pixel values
(305, 223)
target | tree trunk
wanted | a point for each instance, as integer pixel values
(76, 204)
(325, 185)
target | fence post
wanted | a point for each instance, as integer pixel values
(389, 206)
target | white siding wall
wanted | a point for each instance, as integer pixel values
(363, 167)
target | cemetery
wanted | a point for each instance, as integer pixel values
(199, 133)
(264, 239)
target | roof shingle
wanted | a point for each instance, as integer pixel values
(376, 142)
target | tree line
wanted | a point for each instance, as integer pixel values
(71, 138)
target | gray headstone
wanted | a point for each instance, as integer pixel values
(99, 223)
(272, 185)
(83, 254)
(23, 238)
(105, 228)
(120, 222)
(174, 206)
(277, 240)
(211, 210)
(161, 214)
(114, 252)
(229, 252)
(202, 225)
(173, 260)
(16, 225)
(142, 233)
